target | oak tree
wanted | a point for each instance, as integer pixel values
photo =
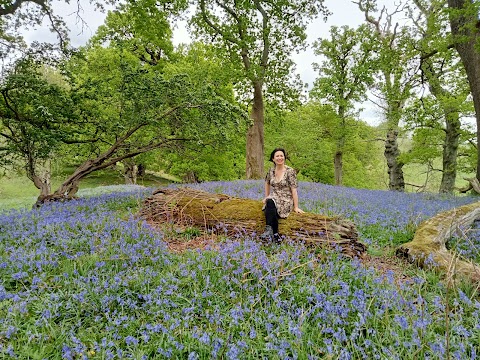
(258, 37)
(344, 78)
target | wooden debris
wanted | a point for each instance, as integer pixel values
(473, 184)
(223, 214)
(428, 247)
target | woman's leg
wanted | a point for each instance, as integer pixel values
(271, 215)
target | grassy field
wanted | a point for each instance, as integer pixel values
(18, 191)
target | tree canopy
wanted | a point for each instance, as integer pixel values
(131, 92)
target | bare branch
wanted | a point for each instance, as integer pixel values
(213, 26)
(369, 18)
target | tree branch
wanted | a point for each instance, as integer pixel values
(369, 18)
(434, 52)
(266, 41)
(9, 9)
(213, 26)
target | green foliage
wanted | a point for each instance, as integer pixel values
(34, 114)
(306, 134)
(426, 146)
(141, 27)
(303, 134)
(348, 68)
(386, 237)
(212, 157)
(429, 122)
(202, 64)
(204, 163)
(258, 38)
(134, 108)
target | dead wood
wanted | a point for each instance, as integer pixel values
(473, 183)
(228, 215)
(428, 247)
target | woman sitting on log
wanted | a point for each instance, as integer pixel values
(281, 197)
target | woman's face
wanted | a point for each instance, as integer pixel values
(278, 157)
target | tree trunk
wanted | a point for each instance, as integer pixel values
(338, 166)
(255, 136)
(395, 172)
(450, 150)
(129, 171)
(117, 152)
(230, 216)
(466, 36)
(42, 183)
(338, 157)
(41, 178)
(452, 126)
(141, 170)
(473, 184)
(69, 187)
(190, 177)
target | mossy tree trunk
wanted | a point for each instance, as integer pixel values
(231, 216)
(428, 247)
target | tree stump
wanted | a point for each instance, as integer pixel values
(231, 216)
(428, 247)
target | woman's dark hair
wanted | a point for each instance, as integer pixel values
(278, 149)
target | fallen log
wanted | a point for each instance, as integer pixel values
(230, 216)
(428, 247)
(473, 184)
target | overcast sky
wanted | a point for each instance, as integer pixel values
(344, 12)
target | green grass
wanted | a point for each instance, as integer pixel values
(417, 175)
(18, 191)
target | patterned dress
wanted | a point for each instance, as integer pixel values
(280, 191)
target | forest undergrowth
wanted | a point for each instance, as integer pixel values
(86, 279)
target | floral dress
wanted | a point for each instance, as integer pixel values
(281, 191)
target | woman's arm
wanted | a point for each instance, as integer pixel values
(267, 191)
(295, 201)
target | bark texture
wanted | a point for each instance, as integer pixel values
(338, 166)
(396, 180)
(39, 174)
(233, 216)
(452, 128)
(428, 247)
(130, 171)
(450, 151)
(473, 184)
(465, 29)
(255, 136)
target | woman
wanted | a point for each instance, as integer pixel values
(281, 197)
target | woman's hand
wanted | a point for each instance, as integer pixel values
(298, 210)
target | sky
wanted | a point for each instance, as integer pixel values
(344, 12)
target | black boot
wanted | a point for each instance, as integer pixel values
(276, 238)
(268, 233)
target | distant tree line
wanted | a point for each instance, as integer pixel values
(207, 110)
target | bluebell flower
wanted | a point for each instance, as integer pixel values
(131, 340)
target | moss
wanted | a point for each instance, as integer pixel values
(202, 209)
(431, 236)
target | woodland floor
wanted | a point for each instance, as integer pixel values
(384, 265)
